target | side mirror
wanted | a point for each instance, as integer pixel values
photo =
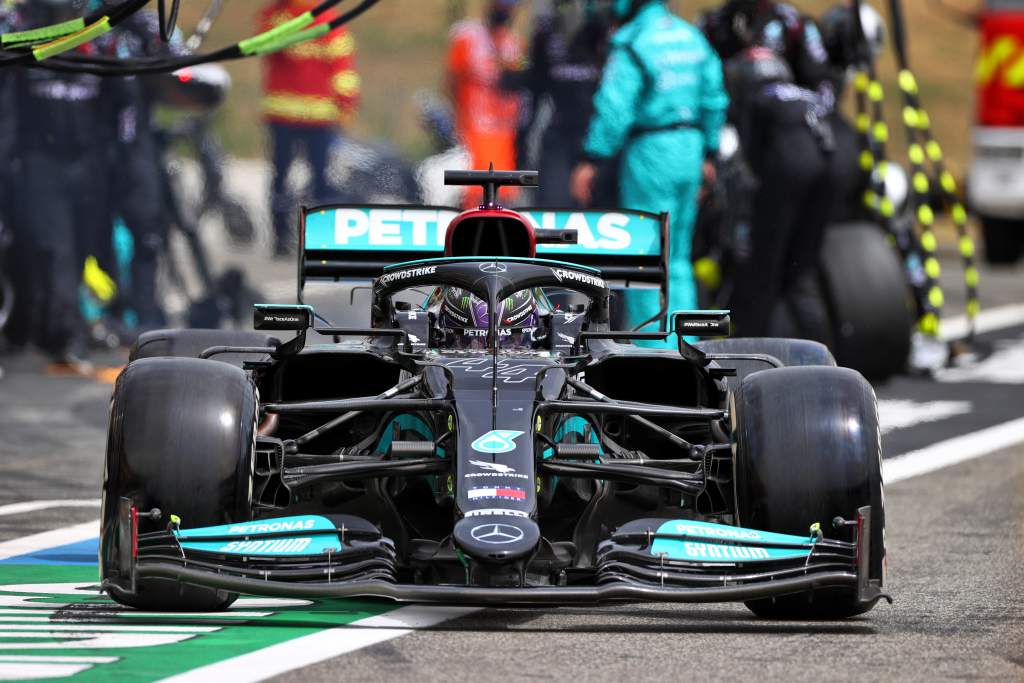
(701, 323)
(548, 236)
(297, 317)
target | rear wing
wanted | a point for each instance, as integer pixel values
(355, 242)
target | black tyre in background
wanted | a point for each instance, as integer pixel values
(1003, 238)
(869, 300)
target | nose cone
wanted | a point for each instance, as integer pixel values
(496, 538)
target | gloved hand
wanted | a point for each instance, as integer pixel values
(822, 131)
(581, 184)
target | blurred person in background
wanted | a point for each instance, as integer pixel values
(311, 92)
(486, 115)
(661, 104)
(63, 127)
(783, 108)
(137, 166)
(567, 53)
(8, 170)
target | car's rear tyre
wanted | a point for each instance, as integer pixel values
(790, 352)
(189, 343)
(1003, 238)
(807, 450)
(869, 300)
(181, 439)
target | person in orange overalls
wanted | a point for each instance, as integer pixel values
(486, 116)
(311, 90)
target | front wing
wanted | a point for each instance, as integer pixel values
(339, 556)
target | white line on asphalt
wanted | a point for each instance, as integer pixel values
(84, 624)
(79, 615)
(89, 641)
(316, 647)
(34, 667)
(36, 505)
(57, 658)
(898, 413)
(953, 451)
(988, 320)
(100, 628)
(49, 539)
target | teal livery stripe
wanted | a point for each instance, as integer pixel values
(723, 543)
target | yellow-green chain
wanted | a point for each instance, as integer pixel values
(923, 146)
(874, 133)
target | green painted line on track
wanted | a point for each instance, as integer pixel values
(234, 637)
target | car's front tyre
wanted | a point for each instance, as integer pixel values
(181, 439)
(807, 450)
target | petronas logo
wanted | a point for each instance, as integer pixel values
(497, 441)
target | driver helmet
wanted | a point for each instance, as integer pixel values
(463, 319)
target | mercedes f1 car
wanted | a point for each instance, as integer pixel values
(465, 447)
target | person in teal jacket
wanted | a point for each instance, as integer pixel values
(661, 104)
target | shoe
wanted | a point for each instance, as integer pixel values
(927, 354)
(107, 375)
(70, 364)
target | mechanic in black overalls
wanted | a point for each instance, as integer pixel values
(8, 168)
(137, 166)
(62, 125)
(841, 43)
(567, 53)
(782, 105)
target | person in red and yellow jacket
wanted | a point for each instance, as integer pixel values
(311, 91)
(486, 116)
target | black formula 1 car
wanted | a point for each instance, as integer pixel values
(490, 464)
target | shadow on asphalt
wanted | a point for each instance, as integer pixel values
(522, 621)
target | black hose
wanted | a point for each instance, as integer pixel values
(112, 66)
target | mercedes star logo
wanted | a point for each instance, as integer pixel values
(493, 267)
(496, 534)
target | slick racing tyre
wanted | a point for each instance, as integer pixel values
(790, 352)
(189, 343)
(181, 439)
(869, 300)
(1004, 240)
(807, 450)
